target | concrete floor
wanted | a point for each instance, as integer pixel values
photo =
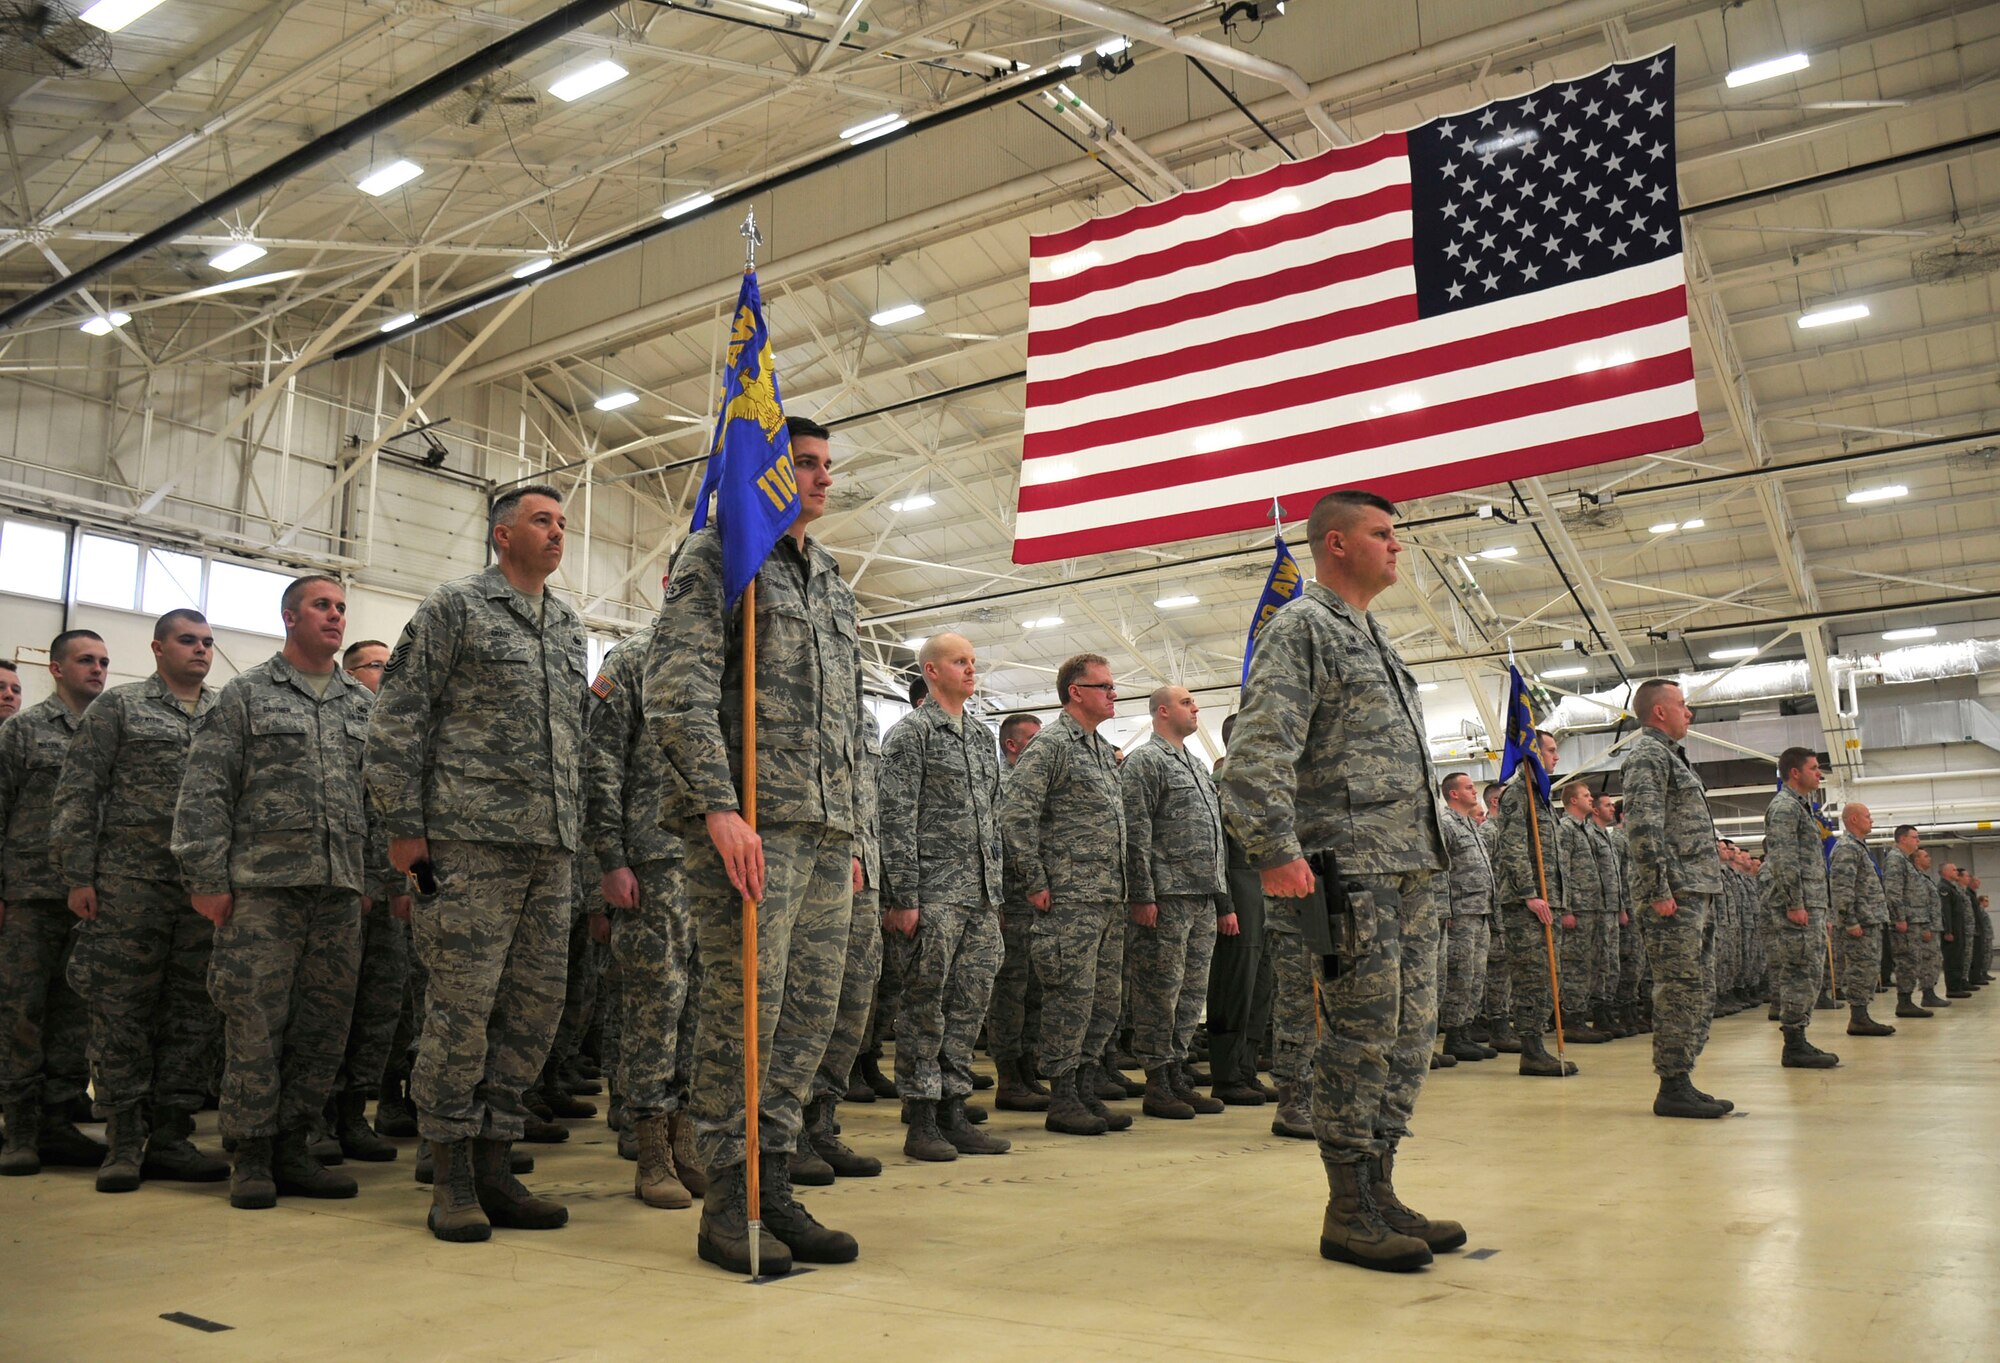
(1839, 1215)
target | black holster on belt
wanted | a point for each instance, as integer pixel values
(1327, 923)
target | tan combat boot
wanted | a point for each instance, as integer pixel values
(657, 1182)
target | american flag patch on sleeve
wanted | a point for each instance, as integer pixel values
(603, 687)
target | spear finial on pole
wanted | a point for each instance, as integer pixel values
(752, 239)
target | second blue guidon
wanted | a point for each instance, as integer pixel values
(1284, 583)
(750, 460)
(1521, 734)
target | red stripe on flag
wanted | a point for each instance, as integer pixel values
(1572, 390)
(1242, 293)
(1244, 189)
(1197, 522)
(1409, 367)
(1232, 241)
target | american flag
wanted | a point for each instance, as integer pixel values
(1491, 295)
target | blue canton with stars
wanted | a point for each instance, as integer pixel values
(1572, 181)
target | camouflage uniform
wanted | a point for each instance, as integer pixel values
(1856, 889)
(1602, 925)
(1330, 759)
(861, 971)
(814, 787)
(1469, 939)
(1730, 963)
(941, 855)
(1579, 953)
(1499, 1001)
(477, 745)
(1631, 952)
(1673, 857)
(43, 1025)
(583, 971)
(271, 811)
(1063, 819)
(1795, 877)
(1907, 903)
(383, 977)
(1174, 858)
(1294, 989)
(1239, 997)
(1516, 882)
(142, 964)
(625, 786)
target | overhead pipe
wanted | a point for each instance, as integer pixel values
(322, 148)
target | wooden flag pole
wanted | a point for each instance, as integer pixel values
(752, 1173)
(1548, 928)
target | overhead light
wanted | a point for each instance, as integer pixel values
(105, 325)
(1114, 47)
(1887, 493)
(1074, 61)
(1174, 603)
(1663, 528)
(533, 267)
(593, 77)
(1730, 655)
(1268, 207)
(916, 642)
(902, 312)
(1695, 524)
(1897, 636)
(1504, 551)
(1427, 686)
(1826, 317)
(923, 501)
(397, 322)
(250, 281)
(1777, 66)
(113, 15)
(1555, 673)
(687, 205)
(1044, 622)
(611, 402)
(379, 180)
(782, 6)
(874, 127)
(237, 256)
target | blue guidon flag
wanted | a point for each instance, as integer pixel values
(1284, 583)
(1521, 734)
(1491, 295)
(750, 460)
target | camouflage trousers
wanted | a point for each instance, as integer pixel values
(861, 972)
(802, 931)
(1729, 952)
(1463, 984)
(1528, 968)
(378, 1001)
(141, 967)
(653, 946)
(1078, 954)
(888, 998)
(1798, 968)
(494, 943)
(44, 1028)
(582, 974)
(1860, 965)
(1294, 998)
(1237, 996)
(410, 1021)
(1499, 1001)
(1378, 1017)
(1121, 1019)
(1681, 954)
(1587, 957)
(1166, 977)
(947, 967)
(1014, 1022)
(283, 974)
(1632, 978)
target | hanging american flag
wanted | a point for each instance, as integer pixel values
(1491, 295)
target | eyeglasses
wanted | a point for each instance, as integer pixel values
(367, 667)
(1097, 686)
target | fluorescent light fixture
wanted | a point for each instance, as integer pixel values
(398, 322)
(1730, 655)
(1427, 686)
(1042, 622)
(1114, 47)
(782, 6)
(1074, 61)
(236, 257)
(1827, 317)
(902, 312)
(1897, 636)
(1888, 493)
(1554, 673)
(874, 127)
(1777, 66)
(232, 285)
(533, 267)
(1504, 551)
(1268, 207)
(594, 77)
(1663, 528)
(611, 402)
(113, 15)
(1695, 524)
(923, 501)
(381, 179)
(916, 641)
(1174, 603)
(105, 325)
(687, 205)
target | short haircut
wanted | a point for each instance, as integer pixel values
(7, 666)
(1573, 787)
(1450, 778)
(1903, 828)
(1651, 692)
(1492, 786)
(164, 626)
(1541, 734)
(59, 646)
(1011, 726)
(1228, 728)
(295, 590)
(1161, 695)
(347, 654)
(1337, 510)
(1072, 671)
(805, 426)
(920, 691)
(508, 504)
(1794, 759)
